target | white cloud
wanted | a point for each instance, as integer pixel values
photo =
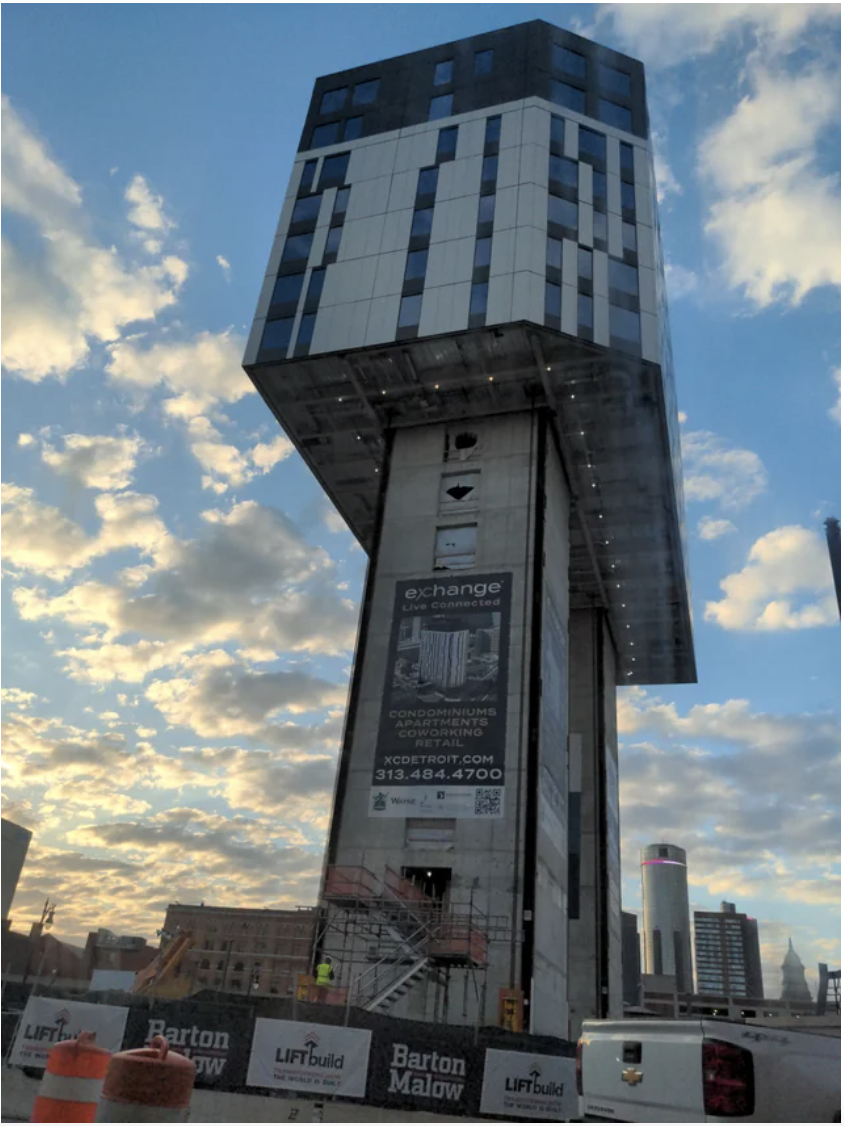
(198, 373)
(72, 292)
(776, 216)
(709, 528)
(41, 539)
(834, 411)
(785, 584)
(225, 465)
(146, 209)
(665, 35)
(97, 461)
(679, 281)
(224, 265)
(250, 579)
(715, 471)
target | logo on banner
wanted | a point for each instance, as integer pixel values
(208, 1049)
(53, 1033)
(309, 1056)
(533, 1085)
(379, 801)
(428, 1074)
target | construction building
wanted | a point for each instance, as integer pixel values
(463, 330)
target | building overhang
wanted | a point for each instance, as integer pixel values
(610, 423)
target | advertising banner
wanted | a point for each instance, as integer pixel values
(216, 1039)
(441, 740)
(319, 1058)
(422, 1073)
(522, 1085)
(47, 1020)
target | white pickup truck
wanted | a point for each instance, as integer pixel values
(706, 1071)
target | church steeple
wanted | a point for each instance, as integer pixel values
(794, 987)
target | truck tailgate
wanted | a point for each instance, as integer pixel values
(655, 1077)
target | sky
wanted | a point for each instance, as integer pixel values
(181, 602)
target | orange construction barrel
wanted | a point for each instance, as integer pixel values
(73, 1079)
(147, 1085)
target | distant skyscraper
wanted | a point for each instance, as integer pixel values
(665, 895)
(631, 960)
(727, 953)
(794, 987)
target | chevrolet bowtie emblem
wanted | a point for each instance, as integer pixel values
(632, 1076)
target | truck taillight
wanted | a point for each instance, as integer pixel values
(727, 1079)
(578, 1067)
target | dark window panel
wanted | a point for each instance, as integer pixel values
(614, 81)
(553, 299)
(417, 264)
(444, 72)
(297, 247)
(427, 183)
(628, 236)
(493, 130)
(558, 131)
(628, 196)
(624, 327)
(410, 310)
(489, 170)
(554, 253)
(626, 157)
(584, 311)
(327, 134)
(614, 114)
(353, 129)
(563, 170)
(562, 211)
(569, 96)
(440, 107)
(478, 299)
(315, 286)
(422, 221)
(366, 92)
(333, 100)
(599, 226)
(584, 263)
(308, 173)
(306, 208)
(287, 288)
(341, 201)
(483, 252)
(592, 144)
(623, 277)
(599, 188)
(332, 243)
(486, 209)
(306, 330)
(334, 170)
(483, 62)
(447, 143)
(568, 62)
(277, 335)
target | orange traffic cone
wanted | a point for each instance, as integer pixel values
(147, 1085)
(72, 1081)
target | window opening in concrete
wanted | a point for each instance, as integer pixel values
(433, 882)
(459, 490)
(455, 548)
(460, 445)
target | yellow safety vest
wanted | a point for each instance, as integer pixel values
(323, 973)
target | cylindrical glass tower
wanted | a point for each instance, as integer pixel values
(665, 896)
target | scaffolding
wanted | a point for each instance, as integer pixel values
(829, 990)
(390, 935)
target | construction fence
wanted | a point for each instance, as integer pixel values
(281, 1048)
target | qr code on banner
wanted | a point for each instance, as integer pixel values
(487, 803)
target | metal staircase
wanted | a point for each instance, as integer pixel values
(402, 935)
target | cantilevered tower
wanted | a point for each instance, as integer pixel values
(463, 330)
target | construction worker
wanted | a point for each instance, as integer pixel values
(324, 977)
